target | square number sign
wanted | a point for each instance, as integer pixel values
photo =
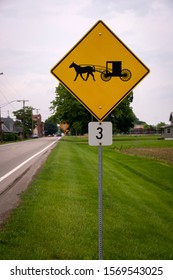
(100, 133)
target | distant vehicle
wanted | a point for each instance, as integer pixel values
(35, 133)
(34, 136)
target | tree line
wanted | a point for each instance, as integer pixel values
(67, 109)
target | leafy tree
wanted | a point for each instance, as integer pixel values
(24, 120)
(50, 126)
(77, 126)
(137, 121)
(148, 128)
(68, 109)
(122, 117)
(159, 126)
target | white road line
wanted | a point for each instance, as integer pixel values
(23, 163)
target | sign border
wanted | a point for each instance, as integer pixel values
(73, 93)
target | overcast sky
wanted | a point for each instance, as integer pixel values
(35, 35)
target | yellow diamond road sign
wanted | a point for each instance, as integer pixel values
(100, 70)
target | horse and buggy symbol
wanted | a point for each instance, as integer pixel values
(112, 69)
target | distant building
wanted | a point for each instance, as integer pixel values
(167, 130)
(38, 127)
(138, 129)
(9, 125)
(142, 129)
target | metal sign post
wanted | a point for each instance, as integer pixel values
(100, 134)
(100, 204)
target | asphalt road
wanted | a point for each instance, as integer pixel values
(19, 162)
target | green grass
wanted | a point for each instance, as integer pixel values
(138, 141)
(57, 218)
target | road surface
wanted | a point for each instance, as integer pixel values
(19, 162)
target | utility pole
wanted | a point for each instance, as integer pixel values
(37, 111)
(23, 102)
(1, 120)
(37, 122)
(1, 136)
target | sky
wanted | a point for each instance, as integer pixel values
(35, 35)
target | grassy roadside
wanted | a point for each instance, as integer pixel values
(57, 218)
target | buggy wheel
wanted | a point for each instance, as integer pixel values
(125, 75)
(105, 76)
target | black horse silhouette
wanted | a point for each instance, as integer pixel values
(83, 69)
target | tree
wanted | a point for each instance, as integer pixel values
(122, 117)
(50, 126)
(77, 126)
(160, 126)
(68, 109)
(24, 120)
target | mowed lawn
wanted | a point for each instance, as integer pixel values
(58, 215)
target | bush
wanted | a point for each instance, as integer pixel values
(10, 137)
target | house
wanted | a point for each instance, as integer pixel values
(7, 126)
(138, 129)
(142, 128)
(167, 130)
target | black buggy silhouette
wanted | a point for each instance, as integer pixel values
(112, 69)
